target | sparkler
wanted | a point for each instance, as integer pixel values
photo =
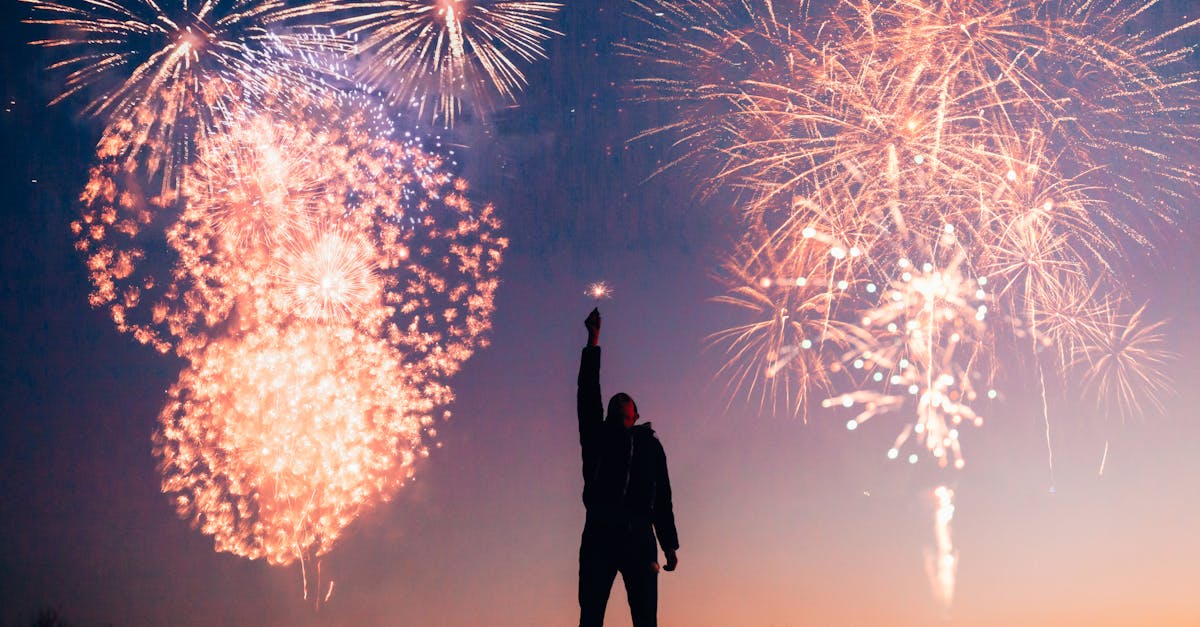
(599, 290)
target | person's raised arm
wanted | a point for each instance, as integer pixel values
(588, 404)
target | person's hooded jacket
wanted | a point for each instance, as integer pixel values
(625, 479)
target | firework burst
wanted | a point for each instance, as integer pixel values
(438, 54)
(273, 441)
(932, 190)
(166, 74)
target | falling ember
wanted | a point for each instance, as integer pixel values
(942, 567)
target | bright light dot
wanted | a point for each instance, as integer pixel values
(871, 288)
(802, 281)
(847, 402)
(841, 285)
(893, 453)
(895, 380)
(806, 343)
(809, 232)
(903, 263)
(1012, 175)
(837, 252)
(1048, 205)
(928, 267)
(765, 282)
(877, 377)
(891, 327)
(858, 363)
(953, 434)
(954, 337)
(919, 159)
(913, 389)
(949, 228)
(982, 280)
(992, 394)
(958, 463)
(866, 322)
(907, 276)
(980, 294)
(851, 425)
(912, 459)
(903, 363)
(983, 309)
(919, 428)
(855, 251)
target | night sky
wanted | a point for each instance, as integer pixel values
(780, 522)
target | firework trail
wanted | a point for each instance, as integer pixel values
(932, 191)
(942, 565)
(441, 54)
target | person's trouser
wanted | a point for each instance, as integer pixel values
(607, 549)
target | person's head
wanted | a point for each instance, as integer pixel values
(622, 408)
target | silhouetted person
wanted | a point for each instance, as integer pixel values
(627, 495)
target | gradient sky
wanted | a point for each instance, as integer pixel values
(780, 522)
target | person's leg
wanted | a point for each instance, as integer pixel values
(639, 571)
(597, 569)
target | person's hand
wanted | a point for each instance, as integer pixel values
(672, 561)
(593, 326)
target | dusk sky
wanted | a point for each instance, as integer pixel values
(781, 521)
